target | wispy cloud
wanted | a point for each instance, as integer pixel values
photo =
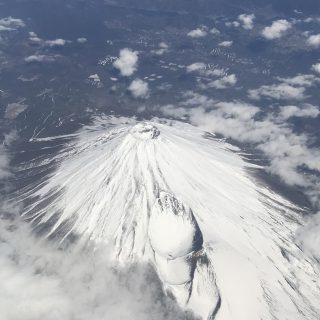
(82, 40)
(163, 48)
(39, 58)
(288, 89)
(56, 42)
(205, 69)
(59, 42)
(305, 111)
(41, 281)
(9, 24)
(286, 150)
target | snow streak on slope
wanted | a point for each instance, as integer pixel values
(173, 195)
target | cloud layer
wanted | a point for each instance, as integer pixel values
(40, 281)
(286, 150)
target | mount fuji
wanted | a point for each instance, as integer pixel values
(167, 193)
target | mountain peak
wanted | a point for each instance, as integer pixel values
(145, 131)
(222, 243)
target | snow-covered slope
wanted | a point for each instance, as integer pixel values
(173, 195)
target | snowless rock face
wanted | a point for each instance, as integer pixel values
(222, 244)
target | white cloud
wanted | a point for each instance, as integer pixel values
(39, 58)
(9, 24)
(159, 52)
(14, 109)
(289, 89)
(139, 88)
(215, 72)
(4, 163)
(163, 48)
(5, 171)
(40, 281)
(237, 109)
(225, 44)
(197, 66)
(205, 69)
(34, 37)
(286, 150)
(82, 40)
(197, 33)
(235, 24)
(3, 28)
(305, 111)
(309, 236)
(303, 80)
(316, 67)
(163, 45)
(224, 82)
(314, 40)
(280, 91)
(215, 31)
(127, 62)
(246, 20)
(56, 43)
(277, 29)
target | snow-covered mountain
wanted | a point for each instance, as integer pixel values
(170, 194)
